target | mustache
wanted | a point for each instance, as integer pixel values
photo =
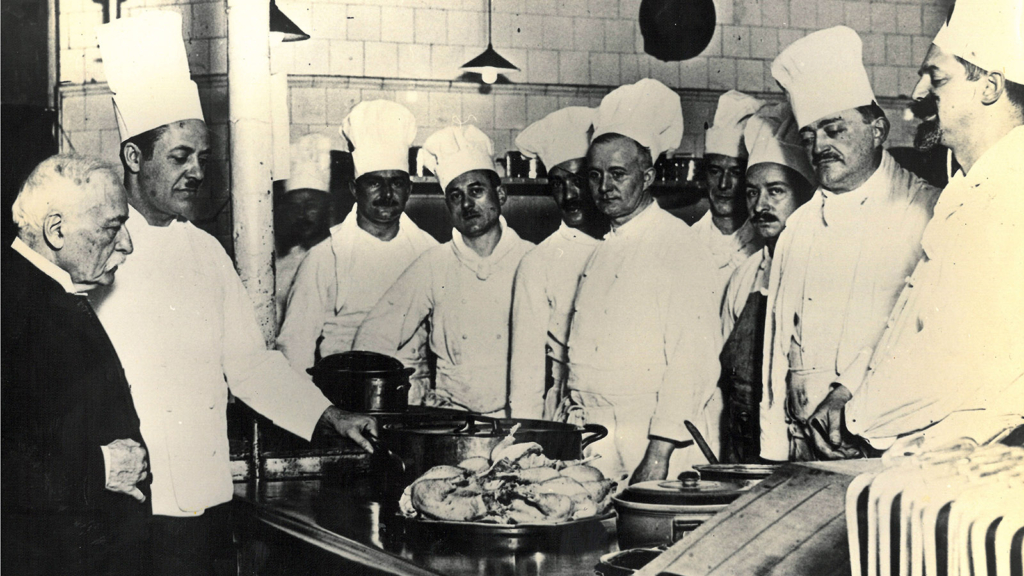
(827, 155)
(763, 218)
(925, 107)
(384, 203)
(572, 205)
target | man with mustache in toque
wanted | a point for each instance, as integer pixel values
(779, 179)
(840, 265)
(546, 281)
(342, 278)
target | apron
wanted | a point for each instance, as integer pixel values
(741, 384)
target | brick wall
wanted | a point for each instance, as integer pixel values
(569, 52)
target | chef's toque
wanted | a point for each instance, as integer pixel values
(455, 150)
(986, 33)
(562, 135)
(648, 112)
(310, 163)
(381, 132)
(823, 74)
(725, 137)
(772, 135)
(147, 70)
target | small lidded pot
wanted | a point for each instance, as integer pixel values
(660, 512)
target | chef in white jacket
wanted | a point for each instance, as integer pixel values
(461, 289)
(724, 229)
(840, 264)
(342, 278)
(951, 364)
(546, 282)
(178, 315)
(645, 333)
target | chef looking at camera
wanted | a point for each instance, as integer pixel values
(343, 277)
(779, 179)
(546, 281)
(178, 315)
(951, 364)
(840, 264)
(461, 289)
(724, 229)
(645, 330)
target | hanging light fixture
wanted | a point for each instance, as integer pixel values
(489, 63)
(282, 28)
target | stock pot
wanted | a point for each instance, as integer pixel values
(362, 381)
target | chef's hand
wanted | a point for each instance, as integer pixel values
(654, 466)
(355, 427)
(826, 428)
(127, 462)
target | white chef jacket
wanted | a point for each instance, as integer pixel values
(545, 288)
(727, 250)
(285, 267)
(645, 331)
(750, 276)
(838, 269)
(338, 284)
(467, 301)
(954, 350)
(184, 329)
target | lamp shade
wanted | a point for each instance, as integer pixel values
(489, 64)
(283, 25)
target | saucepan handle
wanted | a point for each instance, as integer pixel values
(383, 452)
(596, 432)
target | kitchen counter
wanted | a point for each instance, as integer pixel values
(347, 517)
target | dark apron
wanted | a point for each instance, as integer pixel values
(740, 382)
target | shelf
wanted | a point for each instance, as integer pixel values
(428, 185)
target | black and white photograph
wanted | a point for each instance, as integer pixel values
(512, 287)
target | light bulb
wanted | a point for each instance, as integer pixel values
(490, 76)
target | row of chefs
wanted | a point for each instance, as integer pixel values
(857, 309)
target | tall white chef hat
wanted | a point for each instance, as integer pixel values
(310, 163)
(725, 137)
(772, 135)
(455, 150)
(381, 131)
(822, 73)
(648, 112)
(147, 70)
(562, 135)
(987, 33)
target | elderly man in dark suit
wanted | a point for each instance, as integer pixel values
(74, 467)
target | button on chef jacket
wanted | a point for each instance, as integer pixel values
(545, 288)
(359, 265)
(954, 351)
(185, 331)
(646, 322)
(838, 269)
(727, 250)
(467, 302)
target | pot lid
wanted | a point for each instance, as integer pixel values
(359, 361)
(481, 426)
(739, 471)
(689, 489)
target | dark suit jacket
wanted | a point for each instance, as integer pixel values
(64, 395)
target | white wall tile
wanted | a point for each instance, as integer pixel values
(413, 61)
(558, 33)
(346, 58)
(604, 69)
(363, 23)
(588, 34)
(397, 24)
(380, 59)
(431, 26)
(542, 67)
(509, 111)
(573, 68)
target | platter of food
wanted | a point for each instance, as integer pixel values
(516, 493)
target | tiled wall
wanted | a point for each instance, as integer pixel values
(570, 52)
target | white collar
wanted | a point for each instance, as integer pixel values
(573, 235)
(46, 267)
(636, 224)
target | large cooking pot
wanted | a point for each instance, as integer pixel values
(660, 512)
(417, 448)
(751, 473)
(363, 381)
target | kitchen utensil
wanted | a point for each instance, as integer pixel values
(699, 439)
(363, 381)
(626, 562)
(421, 447)
(663, 511)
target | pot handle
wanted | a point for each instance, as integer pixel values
(596, 432)
(472, 419)
(385, 453)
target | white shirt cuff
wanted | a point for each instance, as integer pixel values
(106, 465)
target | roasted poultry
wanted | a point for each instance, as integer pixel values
(517, 485)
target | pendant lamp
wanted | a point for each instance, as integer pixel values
(283, 27)
(489, 63)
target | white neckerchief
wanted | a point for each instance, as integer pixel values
(484, 266)
(55, 272)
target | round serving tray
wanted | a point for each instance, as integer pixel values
(574, 533)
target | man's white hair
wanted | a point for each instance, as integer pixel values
(54, 182)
